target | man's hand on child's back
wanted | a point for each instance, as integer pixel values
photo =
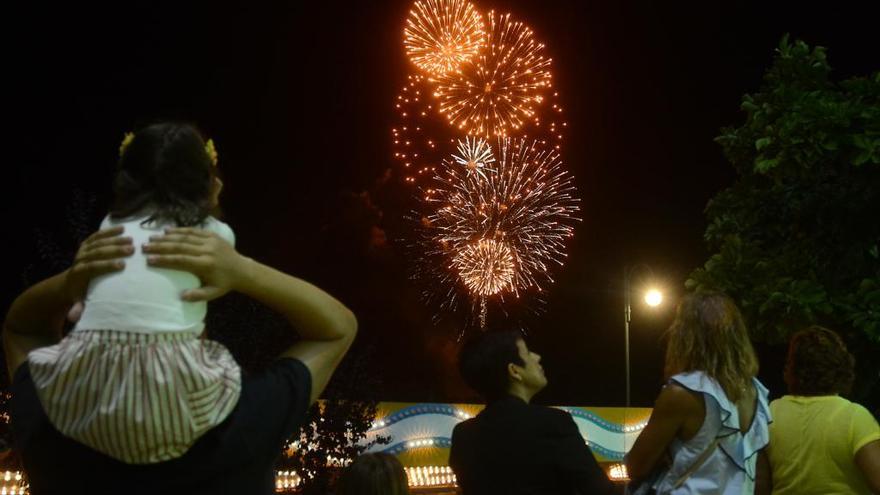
(217, 264)
(99, 254)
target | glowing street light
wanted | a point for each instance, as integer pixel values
(653, 298)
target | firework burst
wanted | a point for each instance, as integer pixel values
(485, 267)
(498, 234)
(440, 35)
(474, 154)
(498, 91)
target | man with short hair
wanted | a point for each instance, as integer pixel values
(513, 447)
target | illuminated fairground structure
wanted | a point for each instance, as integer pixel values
(421, 434)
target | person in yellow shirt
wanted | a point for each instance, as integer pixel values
(820, 443)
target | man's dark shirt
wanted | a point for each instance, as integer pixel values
(237, 457)
(514, 448)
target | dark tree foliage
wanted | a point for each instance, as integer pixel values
(796, 237)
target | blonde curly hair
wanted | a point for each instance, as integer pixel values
(709, 335)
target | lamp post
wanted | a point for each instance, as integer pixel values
(653, 298)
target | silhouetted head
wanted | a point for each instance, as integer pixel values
(166, 171)
(498, 364)
(818, 363)
(373, 474)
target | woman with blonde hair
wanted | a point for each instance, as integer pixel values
(711, 418)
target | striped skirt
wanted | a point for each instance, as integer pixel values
(139, 398)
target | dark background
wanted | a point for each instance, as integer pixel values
(299, 97)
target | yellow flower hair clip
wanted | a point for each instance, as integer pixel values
(126, 140)
(212, 151)
(209, 147)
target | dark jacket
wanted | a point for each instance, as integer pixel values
(514, 448)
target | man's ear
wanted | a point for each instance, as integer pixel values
(513, 371)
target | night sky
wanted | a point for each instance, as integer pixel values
(299, 96)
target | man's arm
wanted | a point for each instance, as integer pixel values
(36, 317)
(326, 326)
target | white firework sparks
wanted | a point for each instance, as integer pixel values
(474, 153)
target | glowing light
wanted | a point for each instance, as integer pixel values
(618, 472)
(496, 92)
(653, 297)
(440, 35)
(500, 233)
(426, 476)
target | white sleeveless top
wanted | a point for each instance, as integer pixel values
(730, 470)
(141, 298)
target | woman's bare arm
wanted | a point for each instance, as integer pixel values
(673, 407)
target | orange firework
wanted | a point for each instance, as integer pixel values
(485, 267)
(497, 92)
(440, 35)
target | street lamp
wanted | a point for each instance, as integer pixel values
(653, 297)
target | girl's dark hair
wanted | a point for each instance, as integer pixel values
(818, 363)
(165, 171)
(483, 362)
(373, 474)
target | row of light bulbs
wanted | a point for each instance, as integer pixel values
(381, 423)
(420, 443)
(638, 427)
(13, 488)
(430, 476)
(618, 472)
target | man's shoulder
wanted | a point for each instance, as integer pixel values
(549, 414)
(464, 428)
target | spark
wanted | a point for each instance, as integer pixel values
(420, 138)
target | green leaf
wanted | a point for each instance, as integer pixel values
(763, 143)
(763, 166)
